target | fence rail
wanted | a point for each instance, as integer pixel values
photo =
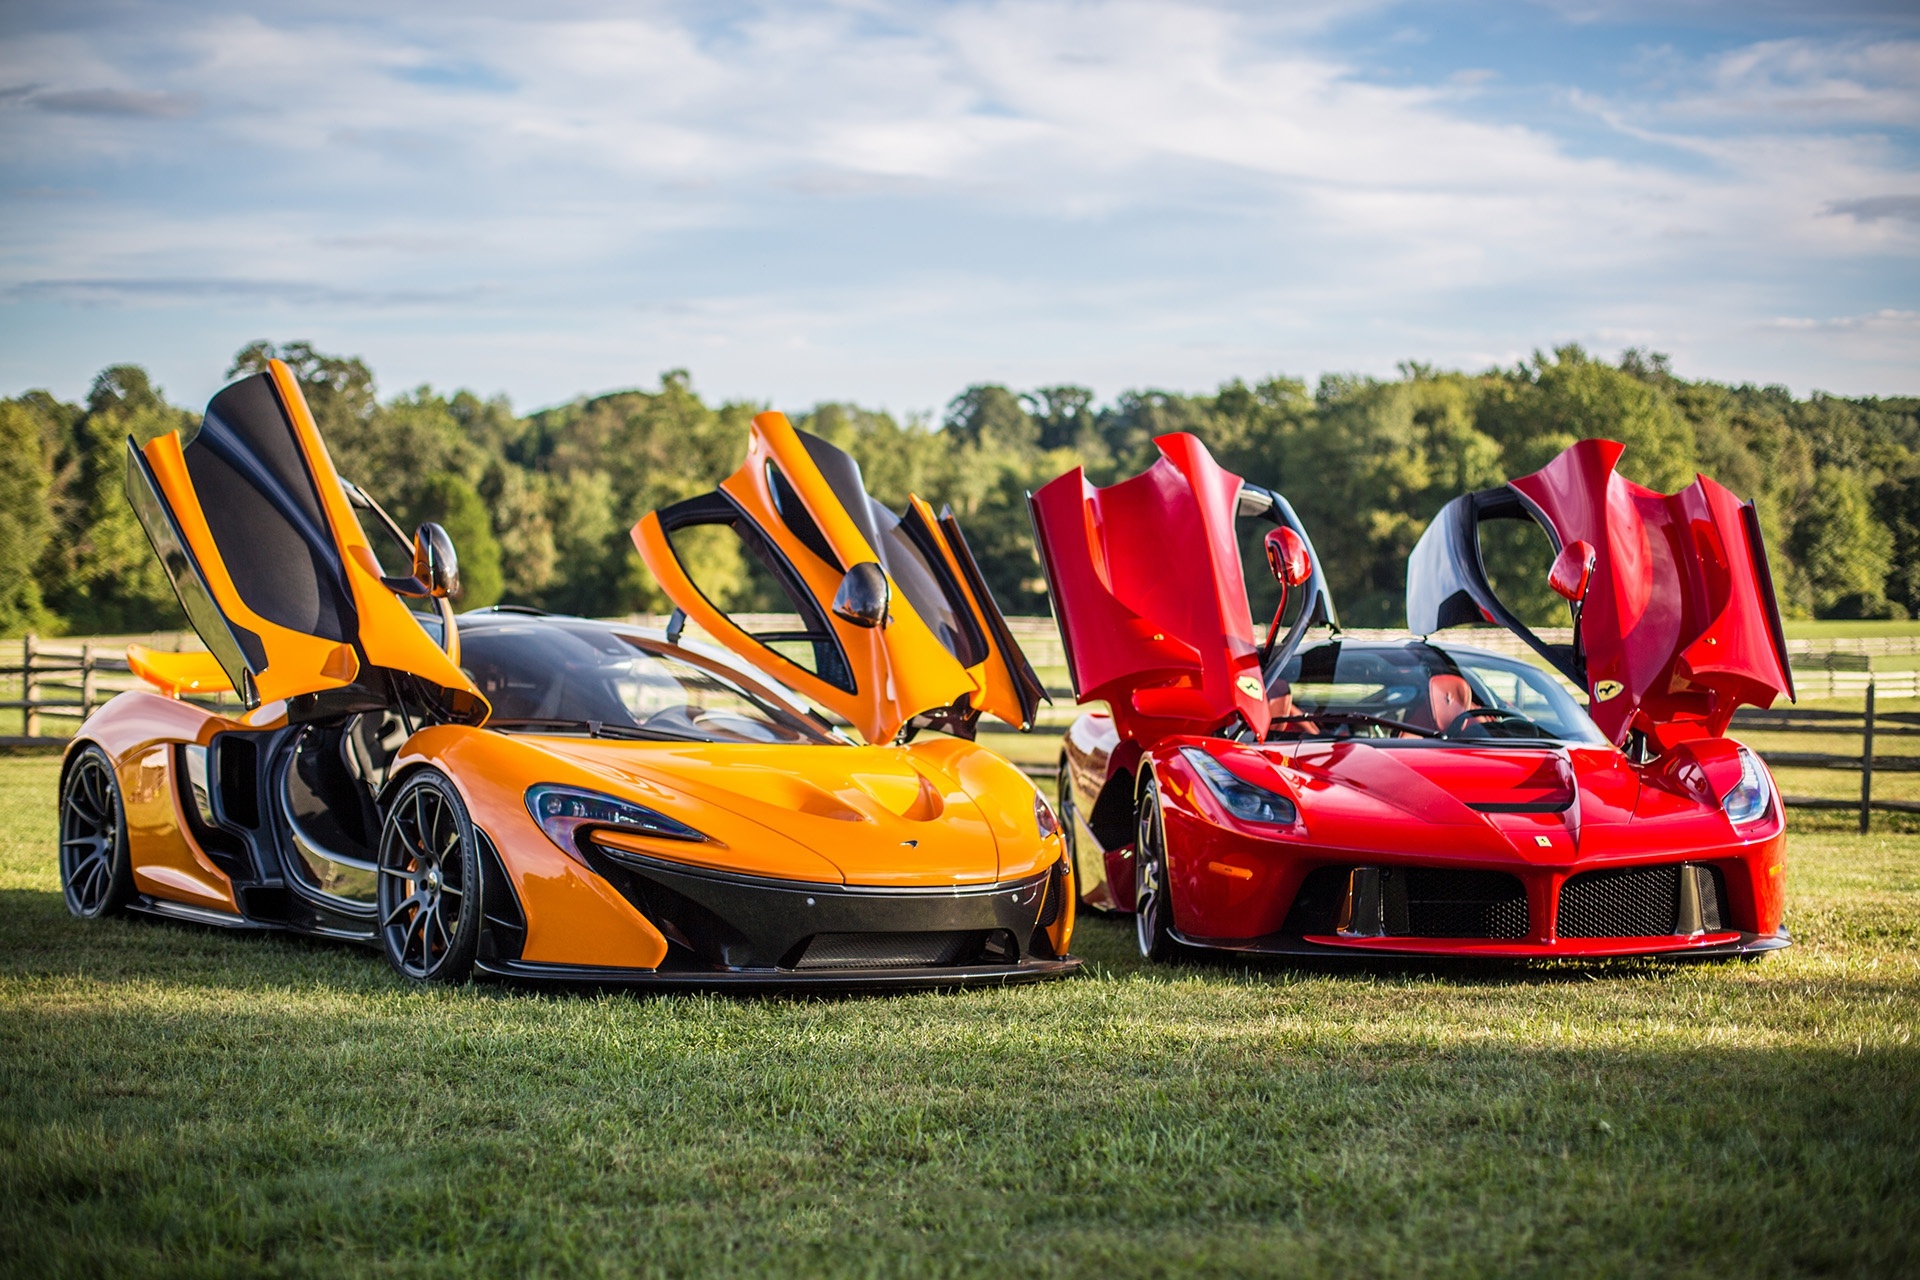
(63, 682)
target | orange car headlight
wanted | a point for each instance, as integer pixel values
(563, 811)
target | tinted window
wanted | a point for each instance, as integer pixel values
(1427, 687)
(263, 512)
(768, 579)
(906, 551)
(579, 674)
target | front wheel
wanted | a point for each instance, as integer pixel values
(1152, 898)
(96, 867)
(429, 889)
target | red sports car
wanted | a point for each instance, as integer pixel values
(1264, 794)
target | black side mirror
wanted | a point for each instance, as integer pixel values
(863, 596)
(434, 562)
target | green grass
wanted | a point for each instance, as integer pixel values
(176, 1100)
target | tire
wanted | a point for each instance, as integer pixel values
(1152, 892)
(96, 865)
(1063, 810)
(428, 895)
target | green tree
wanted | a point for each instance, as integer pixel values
(449, 501)
(1844, 549)
(26, 478)
(99, 570)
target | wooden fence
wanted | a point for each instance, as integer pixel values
(1869, 723)
(60, 683)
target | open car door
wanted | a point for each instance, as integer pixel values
(276, 573)
(897, 627)
(1675, 621)
(1145, 579)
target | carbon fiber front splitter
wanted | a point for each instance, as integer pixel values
(1407, 948)
(784, 980)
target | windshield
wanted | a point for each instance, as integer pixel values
(1421, 690)
(559, 675)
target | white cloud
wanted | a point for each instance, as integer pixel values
(1185, 191)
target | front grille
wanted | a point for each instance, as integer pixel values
(1463, 904)
(1638, 902)
(1416, 902)
(889, 950)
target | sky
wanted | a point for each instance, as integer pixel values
(885, 202)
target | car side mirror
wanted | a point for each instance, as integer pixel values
(1287, 556)
(863, 596)
(434, 561)
(1572, 571)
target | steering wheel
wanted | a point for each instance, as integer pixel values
(1495, 714)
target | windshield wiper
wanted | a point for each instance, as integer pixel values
(592, 728)
(1399, 726)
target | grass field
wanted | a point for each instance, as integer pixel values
(179, 1101)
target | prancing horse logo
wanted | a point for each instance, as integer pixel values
(1607, 690)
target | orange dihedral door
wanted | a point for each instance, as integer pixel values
(251, 522)
(802, 518)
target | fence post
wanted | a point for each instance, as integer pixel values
(86, 681)
(29, 717)
(1866, 765)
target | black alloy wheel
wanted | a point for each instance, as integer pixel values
(428, 895)
(96, 869)
(1152, 894)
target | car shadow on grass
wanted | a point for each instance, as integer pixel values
(1107, 944)
(45, 940)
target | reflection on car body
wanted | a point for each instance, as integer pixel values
(540, 797)
(1331, 797)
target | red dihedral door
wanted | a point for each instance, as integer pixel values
(1146, 583)
(1678, 625)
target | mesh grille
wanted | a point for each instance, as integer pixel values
(1636, 903)
(889, 950)
(1050, 906)
(1464, 904)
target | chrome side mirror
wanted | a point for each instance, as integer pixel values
(863, 596)
(434, 563)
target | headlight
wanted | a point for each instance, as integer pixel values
(1043, 817)
(1752, 796)
(1240, 798)
(562, 811)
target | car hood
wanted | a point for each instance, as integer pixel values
(885, 815)
(1538, 805)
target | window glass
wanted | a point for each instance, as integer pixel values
(1426, 687)
(566, 673)
(731, 560)
(906, 551)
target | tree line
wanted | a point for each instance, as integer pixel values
(539, 504)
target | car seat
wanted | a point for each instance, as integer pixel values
(1447, 696)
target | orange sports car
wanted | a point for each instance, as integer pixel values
(539, 797)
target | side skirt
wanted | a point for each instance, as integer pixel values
(198, 915)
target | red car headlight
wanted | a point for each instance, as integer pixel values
(1239, 797)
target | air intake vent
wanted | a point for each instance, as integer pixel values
(1464, 904)
(1410, 902)
(1642, 902)
(890, 950)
